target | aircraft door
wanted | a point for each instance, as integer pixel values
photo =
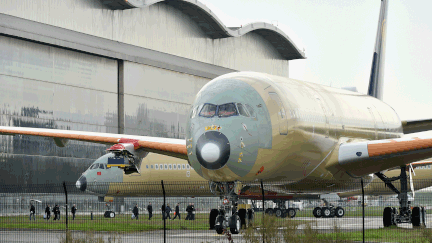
(282, 117)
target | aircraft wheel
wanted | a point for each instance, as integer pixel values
(317, 212)
(235, 224)
(291, 212)
(278, 212)
(423, 214)
(339, 212)
(243, 217)
(284, 213)
(219, 225)
(212, 219)
(112, 214)
(415, 217)
(326, 212)
(251, 215)
(388, 217)
(269, 211)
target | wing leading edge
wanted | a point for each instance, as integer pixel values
(166, 146)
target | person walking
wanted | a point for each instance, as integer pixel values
(73, 210)
(150, 210)
(47, 212)
(32, 211)
(55, 212)
(177, 211)
(163, 211)
(193, 212)
(135, 211)
(168, 211)
(189, 212)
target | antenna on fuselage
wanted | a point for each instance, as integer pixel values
(377, 72)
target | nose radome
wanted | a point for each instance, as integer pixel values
(81, 183)
(213, 150)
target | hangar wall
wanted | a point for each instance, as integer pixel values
(158, 27)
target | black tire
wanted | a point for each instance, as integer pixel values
(278, 212)
(107, 214)
(317, 212)
(235, 224)
(112, 214)
(291, 213)
(388, 217)
(339, 212)
(269, 211)
(251, 216)
(415, 217)
(423, 215)
(212, 218)
(219, 225)
(326, 212)
(284, 214)
(242, 213)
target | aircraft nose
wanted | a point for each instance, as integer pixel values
(213, 150)
(81, 183)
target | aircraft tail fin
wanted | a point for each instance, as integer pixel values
(377, 72)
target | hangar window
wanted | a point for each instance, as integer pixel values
(251, 110)
(242, 110)
(208, 110)
(227, 110)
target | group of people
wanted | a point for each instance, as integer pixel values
(166, 211)
(55, 210)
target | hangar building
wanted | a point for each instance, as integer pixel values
(119, 66)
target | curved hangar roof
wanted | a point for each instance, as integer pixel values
(214, 28)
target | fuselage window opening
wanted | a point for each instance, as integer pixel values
(174, 166)
(251, 110)
(187, 167)
(179, 166)
(183, 167)
(208, 110)
(161, 166)
(151, 166)
(242, 110)
(166, 167)
(156, 167)
(170, 166)
(146, 166)
(227, 110)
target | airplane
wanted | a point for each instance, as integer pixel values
(248, 127)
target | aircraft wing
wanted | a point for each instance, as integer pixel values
(362, 158)
(416, 126)
(167, 146)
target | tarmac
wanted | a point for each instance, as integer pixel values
(177, 236)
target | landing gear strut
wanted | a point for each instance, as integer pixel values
(416, 216)
(228, 215)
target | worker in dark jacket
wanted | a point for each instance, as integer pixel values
(177, 211)
(47, 212)
(73, 210)
(54, 210)
(150, 210)
(193, 211)
(189, 212)
(168, 211)
(163, 211)
(32, 211)
(135, 211)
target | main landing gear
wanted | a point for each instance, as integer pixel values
(328, 211)
(280, 211)
(391, 216)
(228, 215)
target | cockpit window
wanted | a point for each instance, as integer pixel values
(251, 110)
(208, 110)
(227, 110)
(94, 166)
(101, 166)
(194, 112)
(242, 110)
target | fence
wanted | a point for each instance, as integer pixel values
(107, 216)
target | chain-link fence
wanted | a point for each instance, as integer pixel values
(157, 212)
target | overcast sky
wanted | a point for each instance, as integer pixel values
(339, 39)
